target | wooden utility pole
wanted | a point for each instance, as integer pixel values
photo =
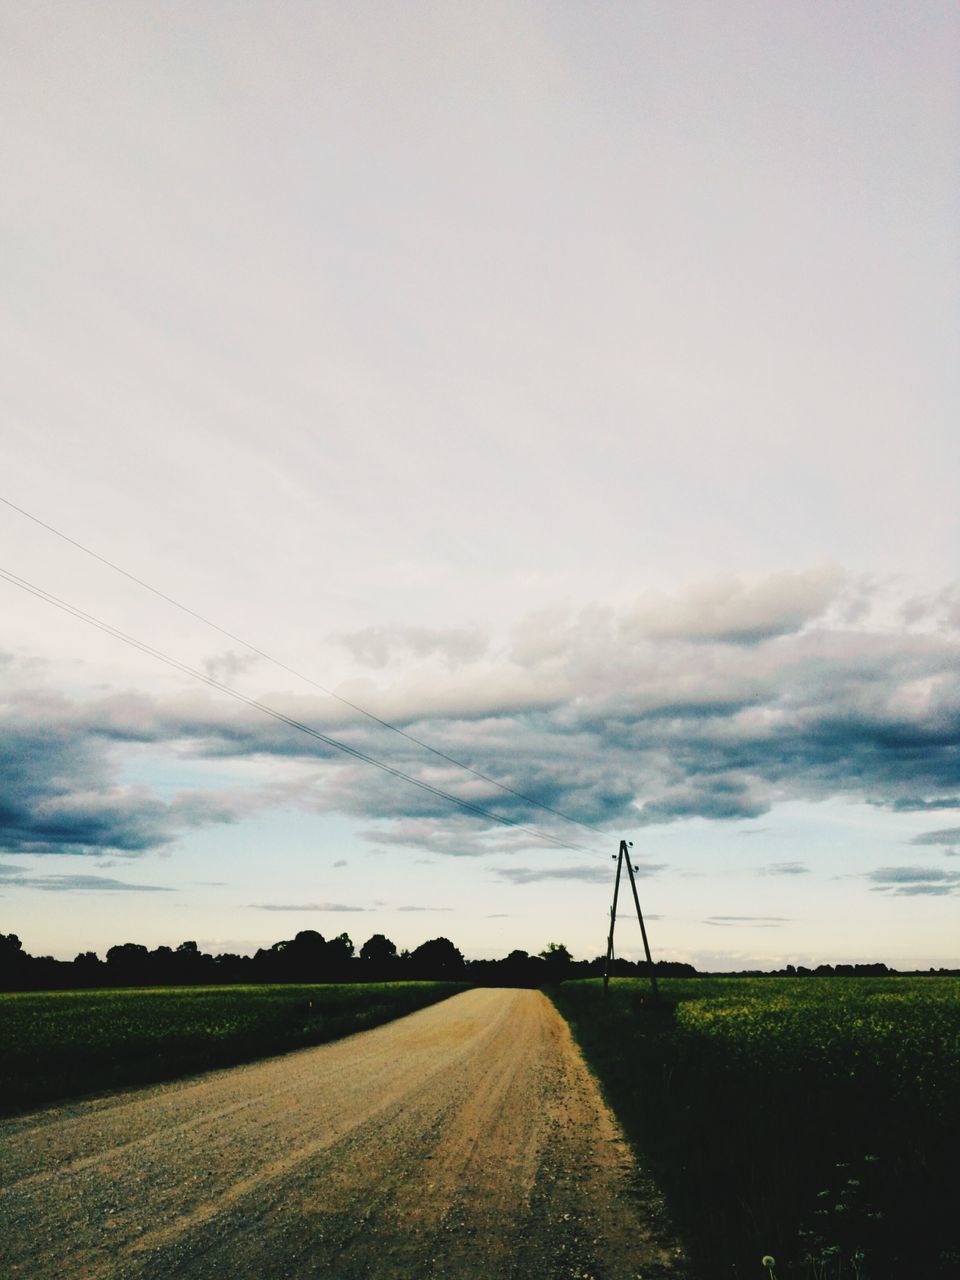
(613, 922)
(624, 856)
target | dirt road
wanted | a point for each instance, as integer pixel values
(466, 1141)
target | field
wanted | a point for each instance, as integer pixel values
(61, 1044)
(816, 1120)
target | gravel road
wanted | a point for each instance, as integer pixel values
(467, 1141)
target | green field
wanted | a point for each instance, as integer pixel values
(816, 1120)
(60, 1044)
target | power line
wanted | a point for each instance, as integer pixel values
(386, 724)
(153, 652)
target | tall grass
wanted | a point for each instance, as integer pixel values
(59, 1044)
(816, 1120)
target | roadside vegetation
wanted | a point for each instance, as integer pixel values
(814, 1121)
(60, 1044)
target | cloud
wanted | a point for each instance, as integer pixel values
(304, 906)
(60, 792)
(227, 666)
(451, 836)
(918, 804)
(924, 890)
(734, 610)
(617, 726)
(340, 862)
(939, 609)
(18, 876)
(759, 922)
(725, 796)
(946, 835)
(593, 874)
(904, 875)
(784, 869)
(379, 646)
(423, 908)
(914, 881)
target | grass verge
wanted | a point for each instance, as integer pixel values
(60, 1044)
(815, 1120)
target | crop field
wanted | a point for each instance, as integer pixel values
(814, 1120)
(60, 1044)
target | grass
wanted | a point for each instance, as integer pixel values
(816, 1120)
(61, 1044)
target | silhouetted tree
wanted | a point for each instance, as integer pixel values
(190, 964)
(557, 961)
(520, 969)
(230, 967)
(128, 965)
(338, 955)
(438, 959)
(13, 962)
(307, 955)
(378, 959)
(378, 950)
(88, 969)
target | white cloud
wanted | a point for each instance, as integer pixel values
(736, 610)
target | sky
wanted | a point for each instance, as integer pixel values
(571, 387)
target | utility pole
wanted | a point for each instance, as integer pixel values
(624, 856)
(613, 922)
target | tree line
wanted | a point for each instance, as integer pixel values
(307, 957)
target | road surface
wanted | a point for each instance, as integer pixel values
(467, 1141)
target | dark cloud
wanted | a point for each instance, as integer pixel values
(58, 797)
(725, 797)
(616, 726)
(60, 794)
(919, 804)
(784, 869)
